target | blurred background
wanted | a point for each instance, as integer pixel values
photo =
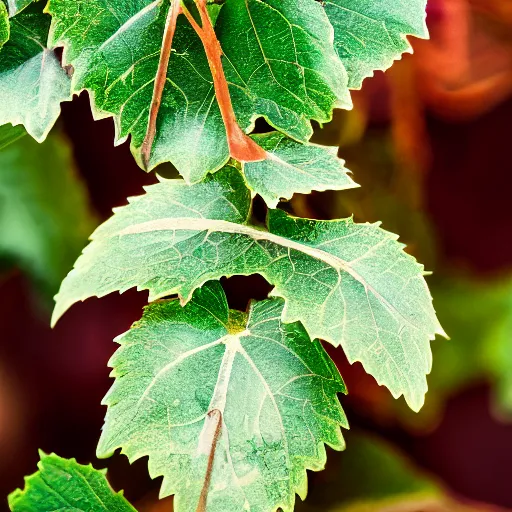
(430, 142)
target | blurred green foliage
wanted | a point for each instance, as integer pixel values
(44, 214)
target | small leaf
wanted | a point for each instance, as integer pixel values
(32, 81)
(234, 407)
(5, 28)
(349, 284)
(370, 35)
(44, 216)
(292, 168)
(64, 485)
(115, 51)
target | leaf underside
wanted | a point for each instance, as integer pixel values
(349, 284)
(32, 81)
(254, 396)
(289, 79)
(64, 485)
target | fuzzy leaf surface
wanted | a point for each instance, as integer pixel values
(115, 49)
(64, 485)
(44, 215)
(292, 168)
(203, 382)
(32, 81)
(370, 35)
(349, 284)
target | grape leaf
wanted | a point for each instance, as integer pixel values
(349, 284)
(234, 407)
(280, 59)
(5, 28)
(292, 168)
(44, 216)
(32, 81)
(115, 50)
(66, 486)
(369, 35)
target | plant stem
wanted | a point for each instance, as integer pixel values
(241, 147)
(203, 498)
(161, 77)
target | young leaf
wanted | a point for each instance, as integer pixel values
(32, 81)
(115, 49)
(5, 28)
(291, 167)
(370, 35)
(349, 284)
(44, 216)
(234, 407)
(64, 485)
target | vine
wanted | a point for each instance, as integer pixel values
(230, 407)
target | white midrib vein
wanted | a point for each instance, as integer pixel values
(220, 393)
(222, 226)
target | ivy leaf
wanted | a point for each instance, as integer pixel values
(32, 81)
(349, 284)
(5, 28)
(64, 485)
(370, 35)
(234, 407)
(115, 51)
(44, 216)
(292, 168)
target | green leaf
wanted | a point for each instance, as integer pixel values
(5, 28)
(292, 168)
(32, 81)
(349, 284)
(115, 49)
(64, 485)
(370, 35)
(280, 60)
(10, 134)
(44, 216)
(234, 407)
(15, 6)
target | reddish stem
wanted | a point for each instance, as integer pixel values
(203, 498)
(161, 77)
(241, 147)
